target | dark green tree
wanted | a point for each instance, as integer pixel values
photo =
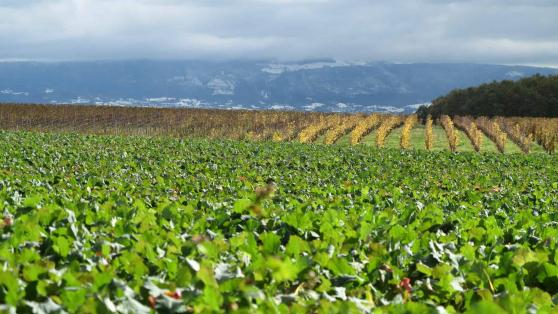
(535, 96)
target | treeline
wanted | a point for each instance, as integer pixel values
(535, 96)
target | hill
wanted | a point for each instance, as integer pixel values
(535, 96)
(315, 85)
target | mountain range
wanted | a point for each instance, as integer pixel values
(311, 85)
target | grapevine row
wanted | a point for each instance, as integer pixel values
(492, 130)
(364, 127)
(451, 132)
(341, 129)
(545, 132)
(385, 128)
(428, 134)
(408, 125)
(312, 132)
(514, 131)
(266, 125)
(468, 126)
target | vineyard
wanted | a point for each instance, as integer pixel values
(504, 135)
(135, 224)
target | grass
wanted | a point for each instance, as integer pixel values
(440, 141)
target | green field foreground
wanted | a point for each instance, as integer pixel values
(100, 224)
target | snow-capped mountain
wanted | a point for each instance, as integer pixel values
(316, 85)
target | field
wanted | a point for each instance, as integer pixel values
(95, 223)
(464, 134)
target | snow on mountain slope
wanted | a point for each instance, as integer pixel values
(316, 85)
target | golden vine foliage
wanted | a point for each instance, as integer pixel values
(341, 129)
(364, 127)
(388, 124)
(287, 135)
(312, 132)
(174, 122)
(546, 133)
(451, 132)
(277, 137)
(475, 136)
(251, 124)
(408, 125)
(517, 135)
(467, 125)
(543, 130)
(429, 135)
(492, 129)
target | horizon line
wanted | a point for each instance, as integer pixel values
(271, 60)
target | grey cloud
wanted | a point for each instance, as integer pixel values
(490, 31)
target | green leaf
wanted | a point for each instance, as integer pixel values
(441, 271)
(282, 270)
(271, 242)
(424, 269)
(241, 205)
(523, 256)
(32, 272)
(206, 275)
(296, 246)
(10, 282)
(32, 201)
(341, 266)
(486, 307)
(212, 299)
(62, 246)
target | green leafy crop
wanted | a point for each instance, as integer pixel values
(137, 225)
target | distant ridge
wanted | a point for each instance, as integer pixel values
(312, 85)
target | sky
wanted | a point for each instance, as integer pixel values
(480, 31)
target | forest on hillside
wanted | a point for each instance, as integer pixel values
(535, 96)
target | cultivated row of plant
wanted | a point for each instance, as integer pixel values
(543, 130)
(428, 133)
(364, 127)
(341, 129)
(408, 125)
(314, 130)
(184, 122)
(451, 132)
(491, 128)
(137, 224)
(513, 129)
(468, 125)
(385, 128)
(526, 133)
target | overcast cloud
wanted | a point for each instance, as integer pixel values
(485, 31)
